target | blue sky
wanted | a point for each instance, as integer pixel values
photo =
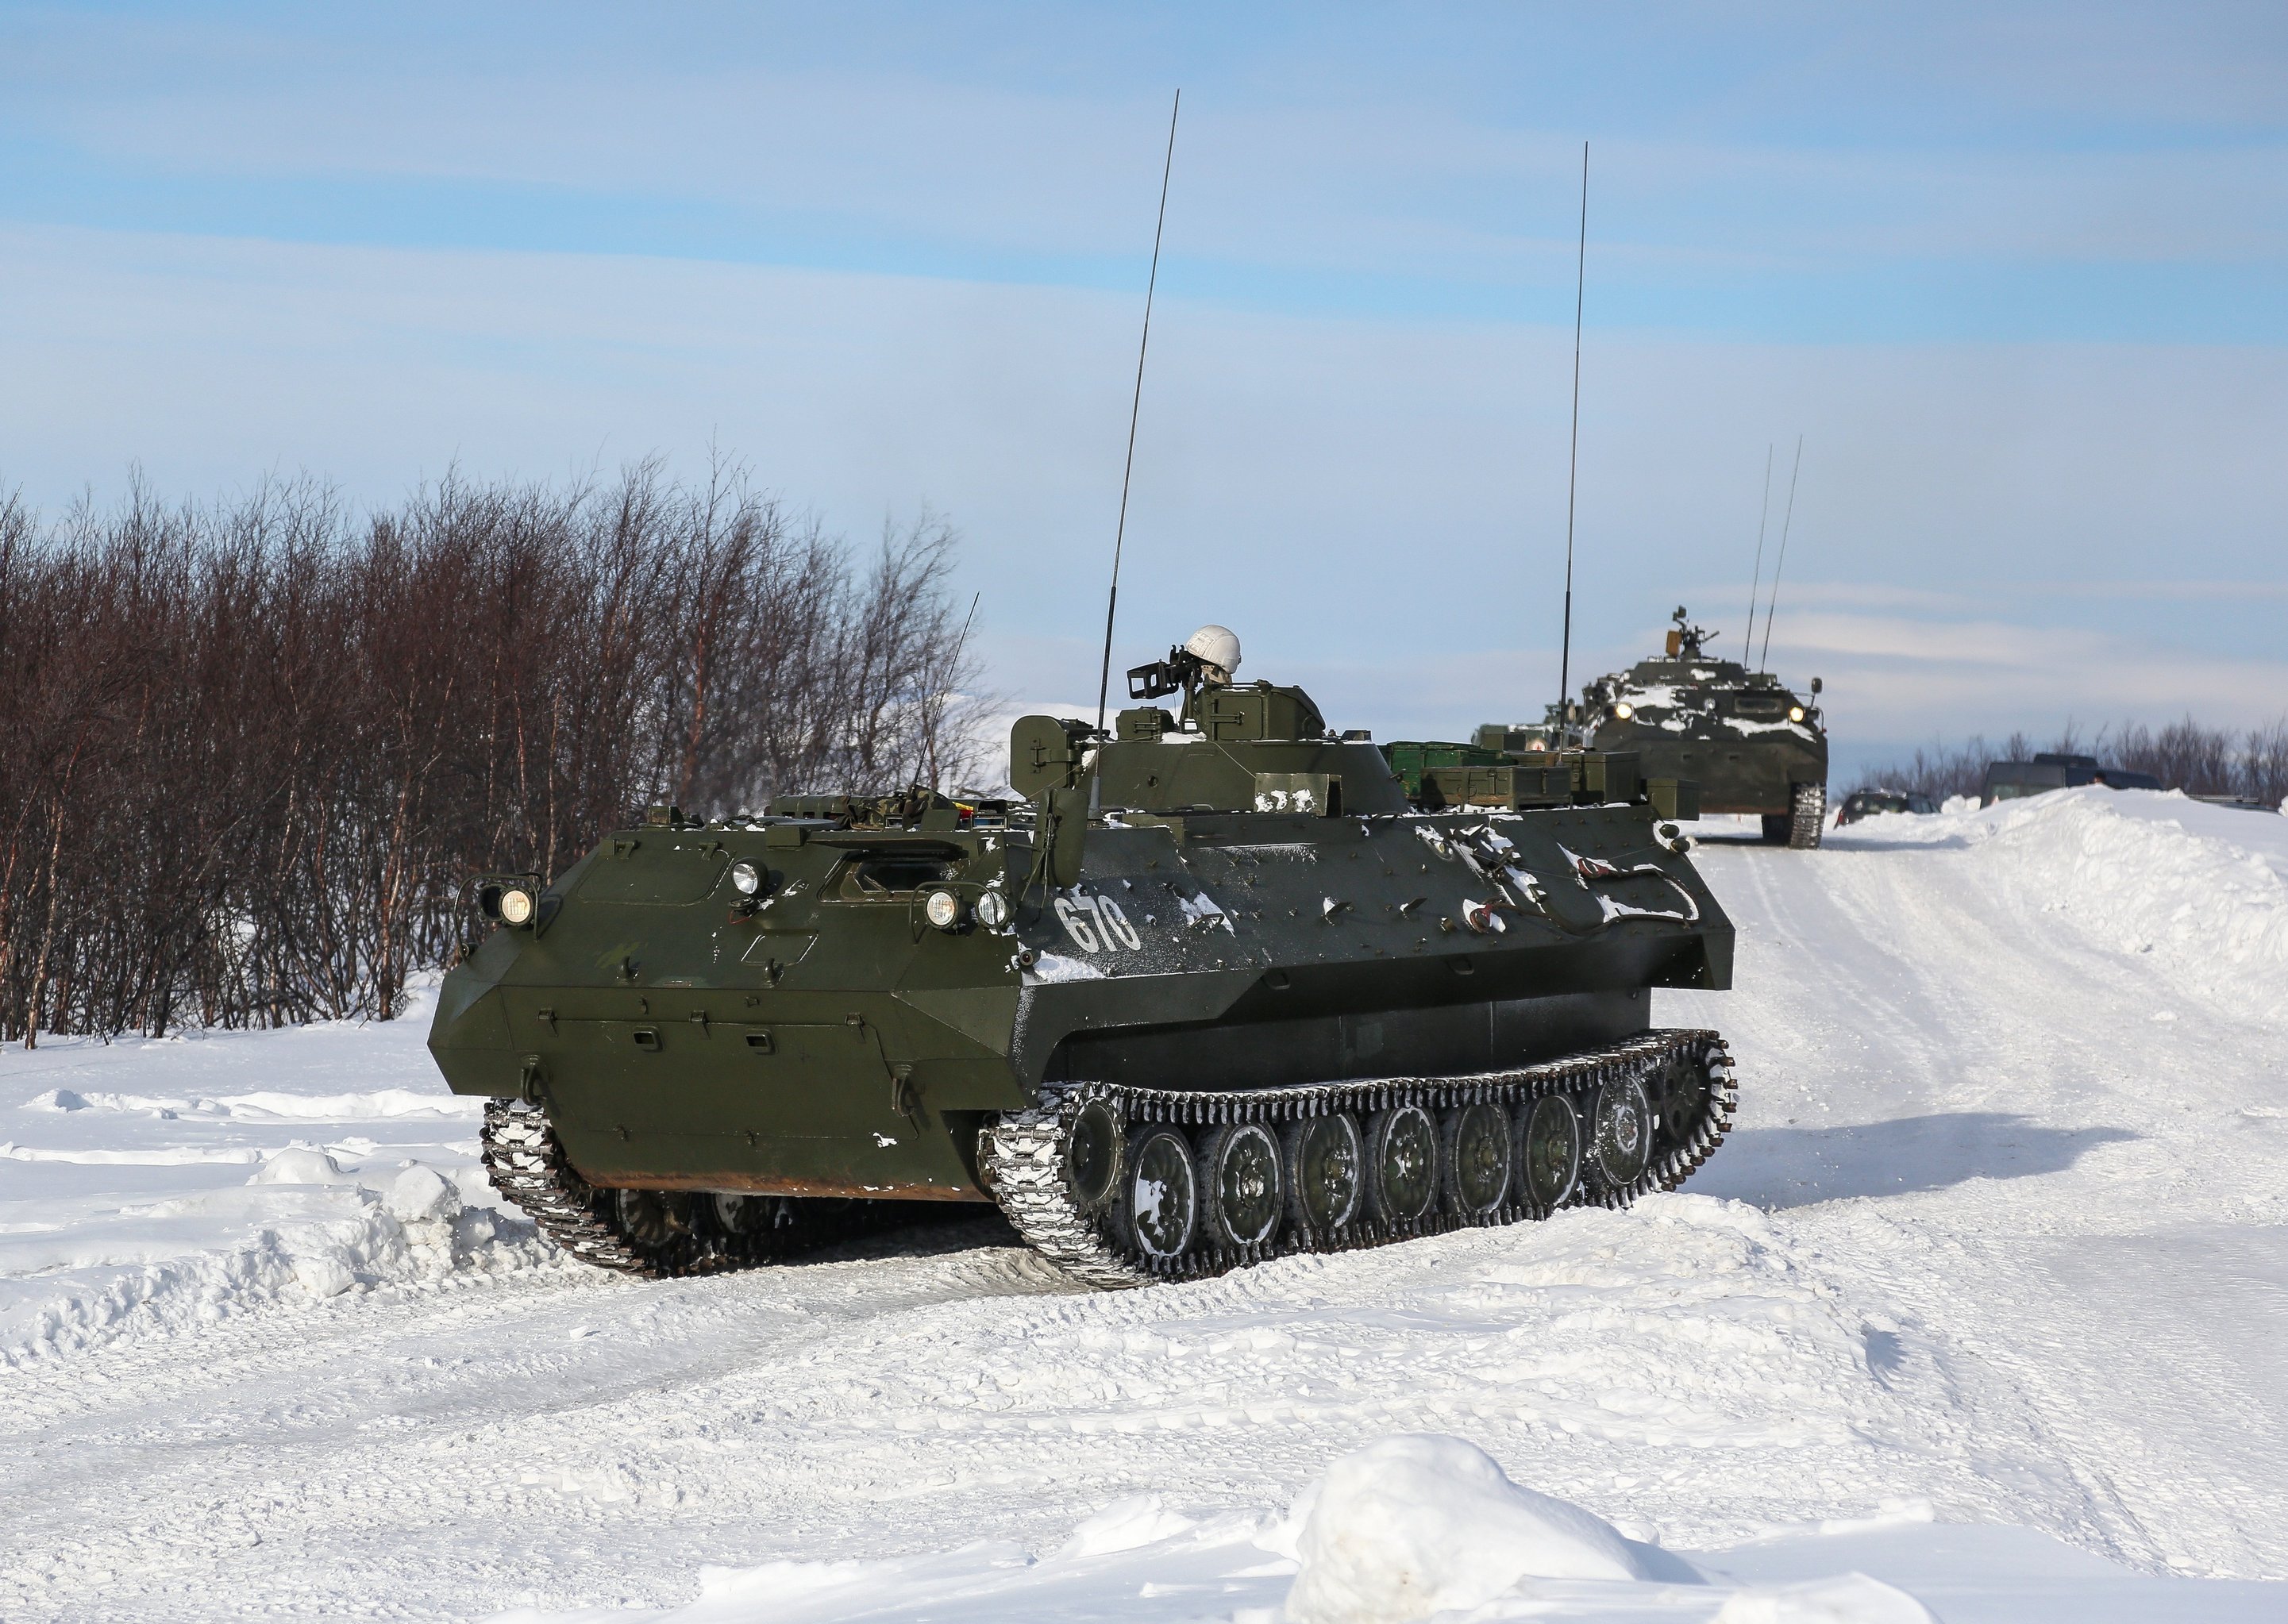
(2019, 275)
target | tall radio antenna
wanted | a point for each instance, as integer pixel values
(1756, 583)
(1764, 660)
(1573, 462)
(1135, 406)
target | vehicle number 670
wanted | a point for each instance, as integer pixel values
(1096, 921)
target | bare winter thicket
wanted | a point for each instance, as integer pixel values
(2253, 765)
(250, 753)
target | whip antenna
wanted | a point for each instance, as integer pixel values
(1573, 462)
(1764, 660)
(1135, 406)
(1756, 583)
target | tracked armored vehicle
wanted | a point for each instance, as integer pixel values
(1749, 743)
(1213, 990)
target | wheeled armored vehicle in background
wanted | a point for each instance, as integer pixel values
(1751, 744)
(1214, 989)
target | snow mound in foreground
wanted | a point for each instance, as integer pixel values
(1849, 1598)
(307, 1233)
(1422, 1524)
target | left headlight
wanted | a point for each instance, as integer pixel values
(944, 909)
(1624, 710)
(517, 905)
(1795, 713)
(746, 879)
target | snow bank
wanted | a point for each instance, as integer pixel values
(154, 1185)
(1421, 1523)
(301, 1232)
(2201, 890)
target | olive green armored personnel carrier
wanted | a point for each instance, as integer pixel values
(1211, 989)
(1749, 743)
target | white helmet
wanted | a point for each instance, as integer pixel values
(1217, 649)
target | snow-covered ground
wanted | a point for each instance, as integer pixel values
(1986, 1298)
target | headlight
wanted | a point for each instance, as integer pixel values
(992, 910)
(1795, 713)
(943, 909)
(1624, 710)
(746, 879)
(516, 905)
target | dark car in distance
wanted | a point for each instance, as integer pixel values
(1866, 803)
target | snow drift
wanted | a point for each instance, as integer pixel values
(300, 1232)
(163, 1201)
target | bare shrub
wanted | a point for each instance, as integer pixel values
(2183, 754)
(1936, 770)
(249, 753)
(2264, 763)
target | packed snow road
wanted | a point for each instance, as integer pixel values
(1996, 1247)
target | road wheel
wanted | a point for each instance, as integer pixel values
(1401, 1164)
(1478, 1155)
(1620, 1133)
(1160, 1194)
(1326, 1173)
(1093, 1148)
(1809, 818)
(1244, 1184)
(649, 1218)
(1549, 1147)
(1681, 1101)
(739, 1215)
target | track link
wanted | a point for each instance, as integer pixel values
(528, 1165)
(1023, 1156)
(1808, 816)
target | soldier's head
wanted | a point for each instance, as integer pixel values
(1217, 649)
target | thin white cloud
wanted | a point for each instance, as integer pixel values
(1369, 498)
(1404, 179)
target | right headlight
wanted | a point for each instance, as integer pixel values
(746, 879)
(992, 910)
(944, 909)
(510, 899)
(1624, 710)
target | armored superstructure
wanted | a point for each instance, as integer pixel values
(1209, 989)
